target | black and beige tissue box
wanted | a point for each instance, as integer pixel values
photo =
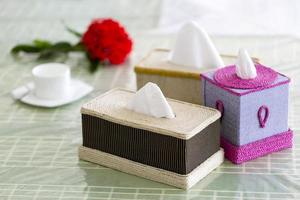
(175, 81)
(179, 151)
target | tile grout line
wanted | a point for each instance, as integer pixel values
(86, 196)
(162, 194)
(215, 195)
(110, 193)
(56, 152)
(11, 152)
(12, 192)
(62, 193)
(136, 193)
(37, 193)
(34, 152)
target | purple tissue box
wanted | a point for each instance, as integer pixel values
(248, 115)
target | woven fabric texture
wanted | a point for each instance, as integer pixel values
(189, 90)
(152, 173)
(280, 80)
(240, 154)
(156, 62)
(227, 76)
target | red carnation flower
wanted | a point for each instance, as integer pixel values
(104, 42)
(107, 41)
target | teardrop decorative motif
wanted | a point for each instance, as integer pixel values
(263, 115)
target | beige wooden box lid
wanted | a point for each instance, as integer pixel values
(156, 62)
(190, 118)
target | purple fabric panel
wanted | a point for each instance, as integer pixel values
(231, 116)
(280, 78)
(276, 99)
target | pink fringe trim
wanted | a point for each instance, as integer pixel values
(240, 154)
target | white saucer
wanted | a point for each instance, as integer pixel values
(78, 89)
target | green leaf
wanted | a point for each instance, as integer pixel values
(37, 46)
(25, 48)
(47, 54)
(62, 47)
(48, 50)
(55, 49)
(42, 44)
(78, 47)
(66, 47)
(73, 32)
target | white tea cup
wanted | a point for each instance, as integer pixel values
(51, 81)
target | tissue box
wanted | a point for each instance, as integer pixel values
(178, 151)
(175, 81)
(254, 121)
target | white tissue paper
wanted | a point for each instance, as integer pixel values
(150, 100)
(194, 48)
(245, 68)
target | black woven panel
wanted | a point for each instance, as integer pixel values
(161, 151)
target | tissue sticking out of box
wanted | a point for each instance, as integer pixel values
(150, 100)
(245, 68)
(194, 48)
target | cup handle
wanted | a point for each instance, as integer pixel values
(22, 91)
